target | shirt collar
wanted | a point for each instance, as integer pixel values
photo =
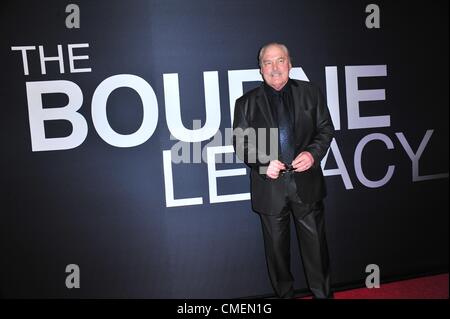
(286, 88)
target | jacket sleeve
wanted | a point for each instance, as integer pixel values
(324, 130)
(245, 138)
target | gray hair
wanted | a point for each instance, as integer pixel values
(264, 48)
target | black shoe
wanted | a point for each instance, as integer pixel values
(330, 296)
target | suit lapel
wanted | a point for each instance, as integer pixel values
(299, 107)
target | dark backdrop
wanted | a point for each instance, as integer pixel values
(104, 207)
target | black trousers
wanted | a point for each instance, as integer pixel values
(310, 228)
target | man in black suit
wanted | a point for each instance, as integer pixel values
(289, 180)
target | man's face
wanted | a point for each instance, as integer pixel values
(275, 67)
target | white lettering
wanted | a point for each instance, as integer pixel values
(149, 105)
(354, 96)
(37, 114)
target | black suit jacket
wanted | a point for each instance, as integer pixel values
(313, 132)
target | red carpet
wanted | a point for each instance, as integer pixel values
(431, 287)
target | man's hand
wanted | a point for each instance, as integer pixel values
(303, 162)
(273, 171)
